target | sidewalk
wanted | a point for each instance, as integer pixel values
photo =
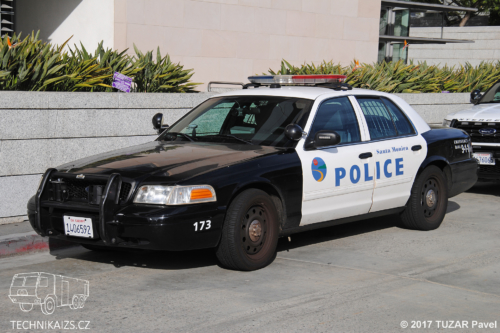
(20, 238)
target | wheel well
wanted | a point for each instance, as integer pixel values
(273, 193)
(445, 167)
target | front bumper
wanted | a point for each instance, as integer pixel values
(128, 225)
(141, 227)
(488, 172)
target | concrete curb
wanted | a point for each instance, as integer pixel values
(29, 242)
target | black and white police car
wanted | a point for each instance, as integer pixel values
(246, 167)
(482, 122)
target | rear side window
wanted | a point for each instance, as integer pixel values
(378, 119)
(384, 118)
(337, 115)
(403, 126)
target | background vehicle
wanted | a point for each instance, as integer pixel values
(482, 123)
(246, 167)
(47, 290)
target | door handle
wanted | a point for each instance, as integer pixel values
(365, 155)
(417, 147)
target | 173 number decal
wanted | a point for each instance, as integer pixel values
(202, 225)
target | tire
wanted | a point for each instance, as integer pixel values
(26, 307)
(75, 303)
(428, 201)
(250, 232)
(49, 305)
(82, 302)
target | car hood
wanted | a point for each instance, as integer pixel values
(480, 112)
(168, 161)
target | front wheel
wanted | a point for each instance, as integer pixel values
(26, 307)
(250, 232)
(428, 201)
(49, 305)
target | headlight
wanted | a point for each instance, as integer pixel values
(446, 123)
(175, 195)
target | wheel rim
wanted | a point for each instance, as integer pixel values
(254, 230)
(430, 197)
(49, 305)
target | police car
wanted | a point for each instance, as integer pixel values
(284, 155)
(482, 122)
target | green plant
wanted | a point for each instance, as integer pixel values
(31, 64)
(27, 64)
(397, 77)
(162, 75)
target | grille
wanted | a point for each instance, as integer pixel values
(78, 189)
(125, 191)
(489, 168)
(473, 130)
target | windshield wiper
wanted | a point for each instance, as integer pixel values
(234, 137)
(183, 134)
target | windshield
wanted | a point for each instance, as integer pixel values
(259, 120)
(492, 95)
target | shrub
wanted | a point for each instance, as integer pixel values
(398, 77)
(33, 65)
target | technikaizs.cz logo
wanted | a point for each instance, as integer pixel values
(47, 291)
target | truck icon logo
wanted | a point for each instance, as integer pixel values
(48, 291)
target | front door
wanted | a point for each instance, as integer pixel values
(338, 180)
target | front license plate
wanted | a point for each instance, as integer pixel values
(484, 158)
(78, 226)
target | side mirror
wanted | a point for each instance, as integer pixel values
(326, 138)
(293, 132)
(158, 123)
(475, 96)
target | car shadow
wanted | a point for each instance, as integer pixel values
(452, 206)
(488, 188)
(338, 232)
(164, 260)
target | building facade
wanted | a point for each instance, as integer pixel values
(222, 40)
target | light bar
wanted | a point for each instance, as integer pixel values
(296, 79)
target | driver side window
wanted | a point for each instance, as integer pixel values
(337, 115)
(210, 122)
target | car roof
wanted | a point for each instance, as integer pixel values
(322, 93)
(298, 92)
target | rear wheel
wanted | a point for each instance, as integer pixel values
(75, 303)
(82, 301)
(250, 232)
(428, 201)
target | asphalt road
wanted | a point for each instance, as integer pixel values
(367, 276)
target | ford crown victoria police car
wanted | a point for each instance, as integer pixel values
(246, 167)
(482, 122)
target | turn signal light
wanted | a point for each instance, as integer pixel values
(201, 193)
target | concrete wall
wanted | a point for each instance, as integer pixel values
(89, 21)
(486, 46)
(39, 130)
(230, 40)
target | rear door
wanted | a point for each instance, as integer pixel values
(398, 154)
(338, 180)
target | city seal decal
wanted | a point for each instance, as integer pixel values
(318, 168)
